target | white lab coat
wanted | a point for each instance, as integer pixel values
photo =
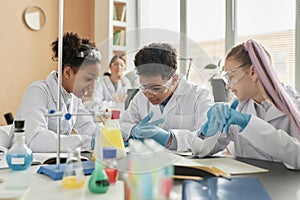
(104, 89)
(40, 131)
(186, 109)
(269, 135)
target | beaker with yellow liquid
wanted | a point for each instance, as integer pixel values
(111, 136)
(73, 172)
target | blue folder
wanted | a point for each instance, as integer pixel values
(216, 188)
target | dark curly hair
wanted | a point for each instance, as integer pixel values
(156, 59)
(73, 45)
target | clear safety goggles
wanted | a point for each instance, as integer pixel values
(156, 88)
(90, 54)
(229, 77)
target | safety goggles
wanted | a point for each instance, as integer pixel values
(90, 54)
(229, 77)
(156, 88)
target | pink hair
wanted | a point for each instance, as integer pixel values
(263, 67)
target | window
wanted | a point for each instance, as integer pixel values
(274, 27)
(159, 21)
(206, 26)
(270, 22)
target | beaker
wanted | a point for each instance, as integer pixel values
(73, 172)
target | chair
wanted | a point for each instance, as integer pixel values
(5, 136)
(9, 118)
(218, 89)
(130, 94)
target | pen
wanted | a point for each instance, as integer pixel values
(195, 178)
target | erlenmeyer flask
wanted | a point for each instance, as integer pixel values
(98, 182)
(112, 137)
(73, 172)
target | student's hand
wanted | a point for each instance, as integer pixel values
(220, 117)
(156, 133)
(216, 120)
(238, 118)
(145, 125)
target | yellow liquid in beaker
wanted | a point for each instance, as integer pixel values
(72, 182)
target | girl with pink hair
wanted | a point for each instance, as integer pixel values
(263, 122)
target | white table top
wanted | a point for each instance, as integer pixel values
(42, 187)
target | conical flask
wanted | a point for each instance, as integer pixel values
(112, 137)
(73, 172)
(98, 182)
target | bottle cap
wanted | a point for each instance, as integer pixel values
(109, 152)
(115, 114)
(19, 124)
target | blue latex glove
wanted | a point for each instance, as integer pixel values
(145, 125)
(216, 120)
(156, 133)
(147, 130)
(238, 118)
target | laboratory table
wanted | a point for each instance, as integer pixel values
(42, 187)
(280, 182)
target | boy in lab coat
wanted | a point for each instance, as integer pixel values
(165, 98)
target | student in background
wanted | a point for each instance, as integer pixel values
(112, 86)
(80, 68)
(163, 94)
(263, 121)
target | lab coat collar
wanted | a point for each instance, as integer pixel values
(182, 89)
(272, 113)
(52, 83)
(109, 83)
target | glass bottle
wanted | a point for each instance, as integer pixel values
(98, 182)
(112, 137)
(19, 156)
(73, 172)
(110, 163)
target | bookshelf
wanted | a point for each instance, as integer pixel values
(119, 26)
(110, 28)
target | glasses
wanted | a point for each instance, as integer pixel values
(229, 78)
(90, 54)
(156, 88)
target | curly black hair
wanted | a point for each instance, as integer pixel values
(156, 59)
(73, 45)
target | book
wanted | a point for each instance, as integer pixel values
(116, 38)
(122, 38)
(123, 14)
(215, 188)
(120, 10)
(50, 158)
(223, 167)
(115, 13)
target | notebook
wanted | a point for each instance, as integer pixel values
(213, 167)
(215, 188)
